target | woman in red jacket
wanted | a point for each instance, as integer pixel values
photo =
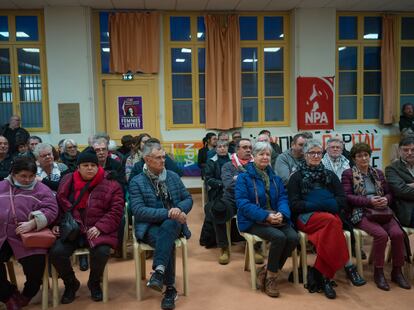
(98, 212)
(366, 188)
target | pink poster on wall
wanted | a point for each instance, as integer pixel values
(130, 113)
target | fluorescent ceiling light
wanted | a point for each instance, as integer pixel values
(341, 48)
(200, 34)
(272, 49)
(249, 60)
(31, 50)
(372, 36)
(179, 60)
(105, 49)
(281, 36)
(186, 50)
(21, 34)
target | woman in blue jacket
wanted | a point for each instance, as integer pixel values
(263, 210)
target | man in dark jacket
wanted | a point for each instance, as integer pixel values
(400, 177)
(160, 204)
(13, 132)
(407, 118)
(5, 158)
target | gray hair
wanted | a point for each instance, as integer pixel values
(149, 147)
(99, 141)
(261, 146)
(310, 144)
(66, 142)
(40, 147)
(335, 139)
(222, 142)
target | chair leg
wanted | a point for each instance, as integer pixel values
(303, 257)
(45, 286)
(138, 275)
(228, 232)
(55, 288)
(295, 266)
(143, 265)
(12, 274)
(126, 234)
(252, 264)
(246, 257)
(185, 264)
(105, 284)
(347, 235)
(358, 238)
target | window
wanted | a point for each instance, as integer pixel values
(358, 72)
(22, 71)
(265, 87)
(406, 60)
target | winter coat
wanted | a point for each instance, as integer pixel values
(148, 208)
(398, 178)
(248, 212)
(212, 177)
(14, 135)
(406, 123)
(327, 198)
(104, 209)
(69, 161)
(286, 165)
(5, 166)
(169, 165)
(38, 202)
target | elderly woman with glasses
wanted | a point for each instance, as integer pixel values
(70, 154)
(48, 171)
(316, 198)
(365, 189)
(263, 210)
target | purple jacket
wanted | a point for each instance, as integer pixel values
(104, 209)
(358, 200)
(38, 202)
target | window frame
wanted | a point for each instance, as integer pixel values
(13, 45)
(360, 43)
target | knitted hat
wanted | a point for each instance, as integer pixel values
(87, 156)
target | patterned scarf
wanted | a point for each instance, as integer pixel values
(312, 176)
(266, 180)
(240, 163)
(159, 184)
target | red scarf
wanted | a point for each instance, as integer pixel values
(79, 183)
(238, 161)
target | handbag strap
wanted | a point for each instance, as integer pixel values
(255, 191)
(82, 192)
(12, 205)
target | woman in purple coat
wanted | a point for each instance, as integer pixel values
(98, 212)
(35, 208)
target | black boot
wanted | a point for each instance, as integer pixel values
(328, 289)
(354, 276)
(96, 291)
(71, 286)
(83, 262)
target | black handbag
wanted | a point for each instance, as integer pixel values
(69, 229)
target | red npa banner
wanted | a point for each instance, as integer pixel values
(315, 103)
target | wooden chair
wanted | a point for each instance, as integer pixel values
(45, 284)
(127, 231)
(249, 262)
(55, 286)
(139, 257)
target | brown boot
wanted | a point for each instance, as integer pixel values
(380, 280)
(398, 277)
(261, 278)
(224, 257)
(271, 285)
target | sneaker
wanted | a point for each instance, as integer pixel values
(170, 296)
(71, 288)
(271, 287)
(328, 289)
(354, 276)
(83, 262)
(96, 291)
(156, 281)
(224, 257)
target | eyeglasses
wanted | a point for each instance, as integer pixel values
(98, 150)
(314, 154)
(46, 155)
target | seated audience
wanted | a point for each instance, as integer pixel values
(26, 205)
(316, 197)
(13, 132)
(126, 145)
(98, 204)
(287, 162)
(5, 158)
(160, 204)
(263, 210)
(209, 142)
(400, 177)
(265, 138)
(23, 150)
(48, 172)
(223, 136)
(406, 123)
(135, 155)
(333, 159)
(235, 136)
(33, 141)
(365, 188)
(274, 145)
(69, 154)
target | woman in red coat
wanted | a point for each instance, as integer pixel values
(98, 212)
(366, 188)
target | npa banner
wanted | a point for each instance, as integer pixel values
(130, 113)
(315, 103)
(185, 155)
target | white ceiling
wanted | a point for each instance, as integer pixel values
(217, 5)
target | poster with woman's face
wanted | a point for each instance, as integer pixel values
(130, 113)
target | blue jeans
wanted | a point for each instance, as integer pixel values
(162, 239)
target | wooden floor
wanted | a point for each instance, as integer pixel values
(217, 287)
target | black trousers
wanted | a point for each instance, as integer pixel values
(61, 252)
(33, 268)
